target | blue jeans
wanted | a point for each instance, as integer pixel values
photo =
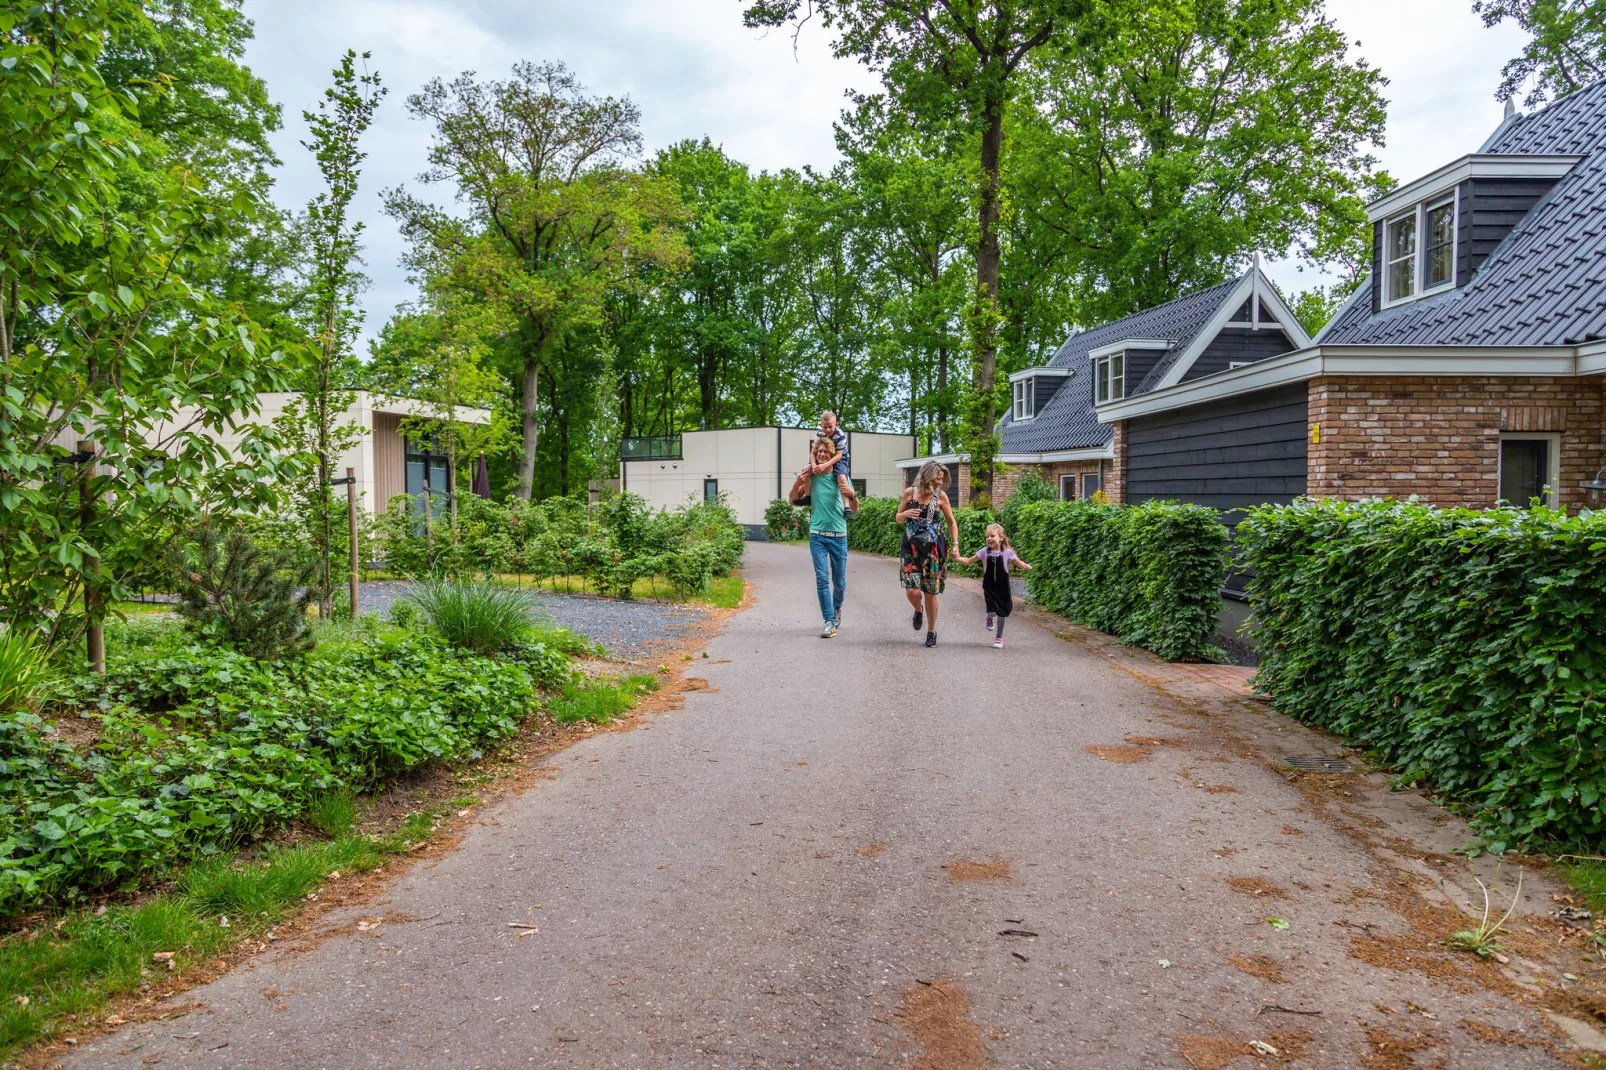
(830, 553)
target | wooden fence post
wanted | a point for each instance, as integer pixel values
(351, 517)
(95, 637)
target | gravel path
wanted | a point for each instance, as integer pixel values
(853, 853)
(629, 630)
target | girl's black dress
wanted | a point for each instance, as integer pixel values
(995, 587)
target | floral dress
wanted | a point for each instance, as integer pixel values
(926, 571)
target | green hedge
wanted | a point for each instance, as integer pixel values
(785, 522)
(1148, 574)
(1467, 648)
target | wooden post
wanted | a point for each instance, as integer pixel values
(351, 519)
(95, 637)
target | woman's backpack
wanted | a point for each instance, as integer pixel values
(921, 532)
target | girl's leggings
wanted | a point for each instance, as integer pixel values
(1000, 621)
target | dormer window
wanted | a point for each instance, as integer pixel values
(1025, 400)
(1419, 250)
(1109, 378)
(1032, 389)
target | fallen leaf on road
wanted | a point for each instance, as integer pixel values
(1277, 923)
(1165, 964)
(1016, 932)
(1263, 1048)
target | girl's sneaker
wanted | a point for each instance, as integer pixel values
(998, 642)
(989, 622)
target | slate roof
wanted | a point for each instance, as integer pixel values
(1068, 421)
(1546, 283)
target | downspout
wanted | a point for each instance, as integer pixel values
(777, 463)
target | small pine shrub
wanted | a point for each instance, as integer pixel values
(231, 590)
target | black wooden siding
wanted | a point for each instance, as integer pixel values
(1227, 454)
(1137, 366)
(1234, 345)
(1490, 209)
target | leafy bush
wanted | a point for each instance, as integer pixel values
(202, 746)
(1148, 574)
(476, 615)
(231, 590)
(1464, 647)
(1032, 487)
(24, 671)
(784, 522)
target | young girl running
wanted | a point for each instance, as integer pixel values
(995, 558)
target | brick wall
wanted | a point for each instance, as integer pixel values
(1115, 477)
(1439, 437)
(1008, 477)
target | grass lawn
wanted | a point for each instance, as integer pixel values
(724, 592)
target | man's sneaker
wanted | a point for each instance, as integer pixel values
(920, 618)
(998, 642)
(931, 638)
(829, 630)
(989, 622)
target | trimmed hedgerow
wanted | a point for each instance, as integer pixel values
(1148, 574)
(1466, 648)
(785, 522)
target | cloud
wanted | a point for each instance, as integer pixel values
(695, 71)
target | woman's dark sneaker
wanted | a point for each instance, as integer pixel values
(931, 638)
(920, 618)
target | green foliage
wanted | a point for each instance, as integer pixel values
(785, 522)
(25, 670)
(1031, 487)
(1464, 647)
(476, 615)
(600, 701)
(1566, 50)
(199, 747)
(230, 590)
(1148, 574)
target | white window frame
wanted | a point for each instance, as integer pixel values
(1552, 464)
(1105, 381)
(1070, 481)
(1418, 214)
(1025, 397)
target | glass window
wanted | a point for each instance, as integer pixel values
(1400, 248)
(1524, 470)
(1438, 257)
(1067, 488)
(1090, 484)
(1109, 378)
(1025, 399)
(711, 489)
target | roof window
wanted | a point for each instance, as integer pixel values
(1419, 250)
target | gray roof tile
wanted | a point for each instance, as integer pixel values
(1544, 285)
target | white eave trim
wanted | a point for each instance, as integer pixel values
(1036, 373)
(1476, 165)
(1105, 452)
(1592, 358)
(941, 458)
(1374, 360)
(1130, 343)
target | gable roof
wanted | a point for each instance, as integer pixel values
(1545, 284)
(1186, 324)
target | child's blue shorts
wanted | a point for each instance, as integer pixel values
(841, 467)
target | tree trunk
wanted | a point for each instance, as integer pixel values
(986, 327)
(531, 429)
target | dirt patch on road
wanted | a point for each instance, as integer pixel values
(1255, 886)
(978, 871)
(935, 1015)
(1262, 966)
(1391, 1052)
(870, 850)
(1212, 1053)
(1120, 754)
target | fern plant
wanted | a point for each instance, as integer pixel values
(251, 599)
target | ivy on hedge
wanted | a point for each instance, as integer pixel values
(1148, 574)
(1468, 648)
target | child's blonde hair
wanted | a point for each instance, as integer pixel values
(1003, 536)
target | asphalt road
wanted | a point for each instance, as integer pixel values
(769, 877)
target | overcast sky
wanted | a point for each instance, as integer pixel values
(695, 71)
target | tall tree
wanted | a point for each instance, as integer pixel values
(1567, 49)
(334, 278)
(557, 215)
(962, 60)
(1189, 137)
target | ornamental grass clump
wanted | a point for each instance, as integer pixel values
(1465, 647)
(24, 671)
(476, 615)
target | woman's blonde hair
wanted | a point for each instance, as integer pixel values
(929, 476)
(1003, 536)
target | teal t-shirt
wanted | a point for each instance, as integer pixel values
(825, 508)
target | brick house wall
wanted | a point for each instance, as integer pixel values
(1115, 474)
(1439, 437)
(1008, 477)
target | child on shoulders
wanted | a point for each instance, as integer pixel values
(838, 462)
(996, 557)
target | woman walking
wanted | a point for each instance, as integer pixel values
(929, 530)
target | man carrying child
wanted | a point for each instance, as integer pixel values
(838, 462)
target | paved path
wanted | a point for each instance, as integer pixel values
(771, 876)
